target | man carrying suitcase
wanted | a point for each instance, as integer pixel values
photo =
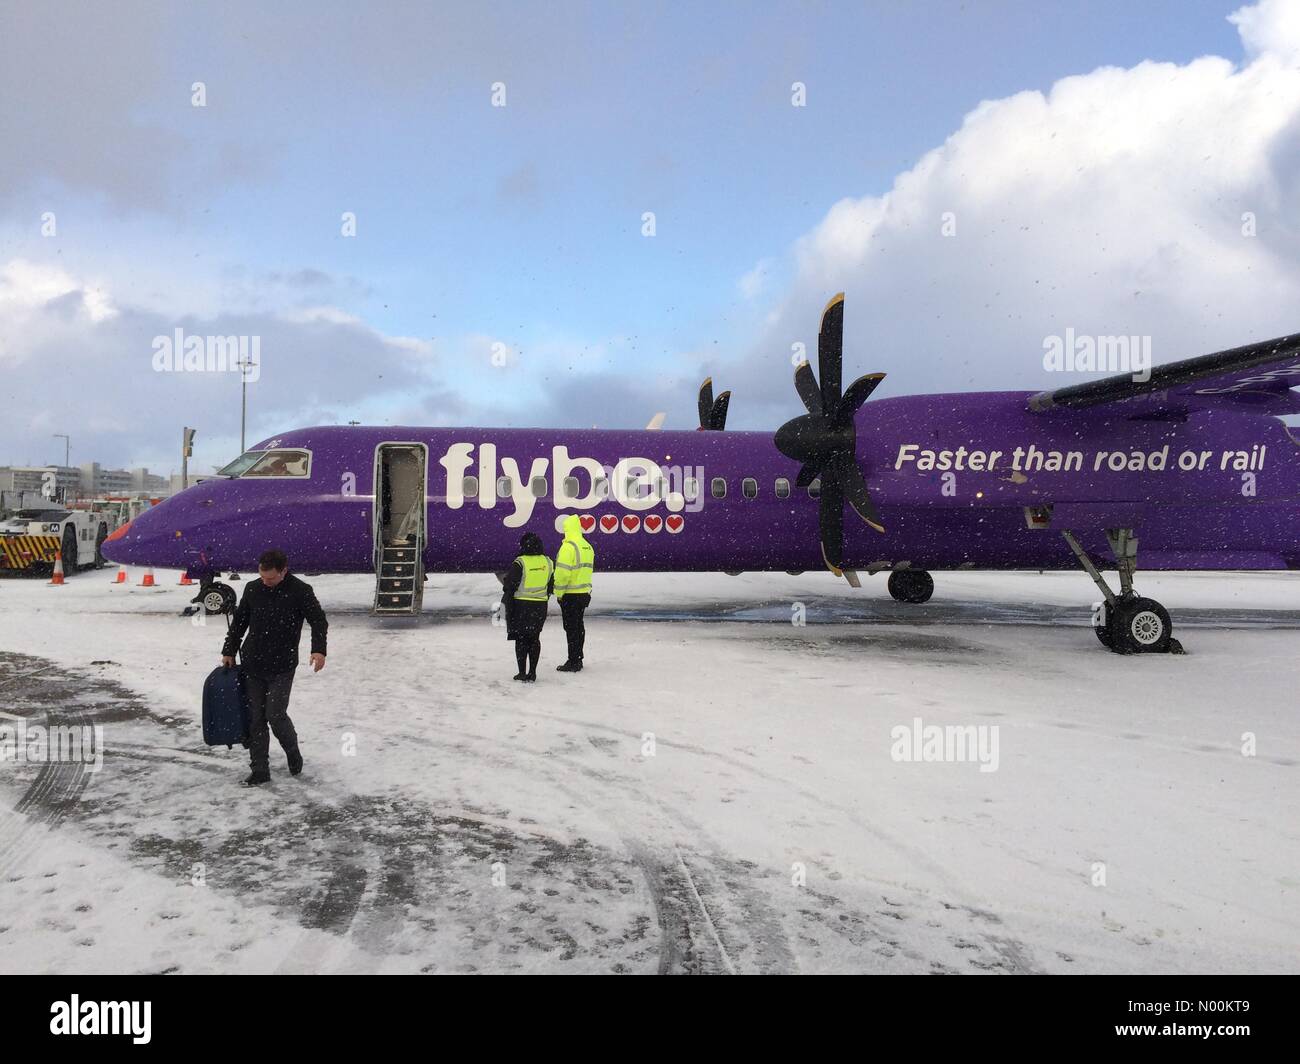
(271, 612)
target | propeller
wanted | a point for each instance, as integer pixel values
(824, 439)
(713, 412)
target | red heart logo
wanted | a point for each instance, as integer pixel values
(631, 522)
(675, 522)
(608, 523)
(653, 522)
(588, 522)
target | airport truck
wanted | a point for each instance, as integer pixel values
(32, 536)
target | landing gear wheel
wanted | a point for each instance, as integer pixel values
(217, 599)
(100, 536)
(69, 551)
(1140, 626)
(911, 585)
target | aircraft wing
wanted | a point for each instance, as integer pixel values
(1257, 377)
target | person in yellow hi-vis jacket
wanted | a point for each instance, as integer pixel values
(525, 593)
(574, 562)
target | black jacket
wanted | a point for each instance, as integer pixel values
(272, 617)
(524, 619)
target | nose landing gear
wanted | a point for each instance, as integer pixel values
(1126, 623)
(215, 598)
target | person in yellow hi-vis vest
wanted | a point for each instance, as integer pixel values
(574, 562)
(526, 591)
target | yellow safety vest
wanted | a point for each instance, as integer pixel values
(537, 577)
(574, 579)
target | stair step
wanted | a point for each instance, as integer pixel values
(397, 580)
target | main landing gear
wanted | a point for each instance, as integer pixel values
(911, 585)
(1126, 623)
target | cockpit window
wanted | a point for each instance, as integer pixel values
(237, 467)
(283, 463)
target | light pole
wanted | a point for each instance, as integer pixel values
(243, 364)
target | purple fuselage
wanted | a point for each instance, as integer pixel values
(1235, 506)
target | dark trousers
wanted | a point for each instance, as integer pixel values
(572, 607)
(268, 704)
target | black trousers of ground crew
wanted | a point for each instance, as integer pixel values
(572, 608)
(268, 704)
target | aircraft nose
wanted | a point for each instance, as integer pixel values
(116, 548)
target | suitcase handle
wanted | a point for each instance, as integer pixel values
(236, 655)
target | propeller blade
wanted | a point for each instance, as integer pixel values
(831, 523)
(830, 353)
(807, 474)
(706, 402)
(718, 416)
(848, 476)
(855, 395)
(806, 385)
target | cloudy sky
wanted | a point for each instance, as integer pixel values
(976, 176)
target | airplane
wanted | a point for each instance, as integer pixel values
(1193, 461)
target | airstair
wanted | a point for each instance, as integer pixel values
(399, 582)
(400, 495)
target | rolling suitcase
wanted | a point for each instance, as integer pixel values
(225, 707)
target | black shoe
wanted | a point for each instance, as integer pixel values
(257, 778)
(568, 666)
(295, 761)
(531, 678)
(520, 676)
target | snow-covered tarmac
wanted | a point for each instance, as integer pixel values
(715, 792)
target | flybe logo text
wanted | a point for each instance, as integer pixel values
(574, 483)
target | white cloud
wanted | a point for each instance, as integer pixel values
(1270, 28)
(1114, 203)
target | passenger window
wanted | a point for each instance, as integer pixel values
(782, 488)
(538, 487)
(469, 487)
(280, 464)
(505, 487)
(815, 489)
(571, 487)
(691, 489)
(602, 488)
(749, 488)
(719, 488)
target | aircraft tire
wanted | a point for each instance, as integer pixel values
(911, 585)
(218, 599)
(1140, 626)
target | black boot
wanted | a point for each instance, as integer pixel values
(257, 778)
(568, 666)
(295, 761)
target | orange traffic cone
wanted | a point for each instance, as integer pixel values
(185, 580)
(148, 578)
(57, 581)
(121, 575)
